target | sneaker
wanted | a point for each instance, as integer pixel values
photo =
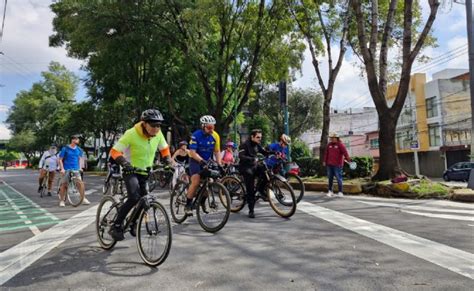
(251, 214)
(116, 232)
(133, 230)
(188, 210)
(330, 194)
(340, 194)
(85, 201)
(62, 204)
(40, 188)
(203, 206)
(49, 193)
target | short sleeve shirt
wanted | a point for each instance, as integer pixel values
(205, 144)
(71, 157)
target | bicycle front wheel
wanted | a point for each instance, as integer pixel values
(298, 186)
(105, 218)
(178, 202)
(213, 207)
(236, 191)
(281, 197)
(44, 186)
(154, 234)
(75, 192)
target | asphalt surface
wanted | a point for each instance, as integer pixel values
(329, 244)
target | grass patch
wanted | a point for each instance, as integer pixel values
(427, 188)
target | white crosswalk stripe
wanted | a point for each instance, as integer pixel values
(445, 256)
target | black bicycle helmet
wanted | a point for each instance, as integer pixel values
(152, 115)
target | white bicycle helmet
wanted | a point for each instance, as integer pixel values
(207, 119)
(286, 139)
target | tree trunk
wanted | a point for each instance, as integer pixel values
(325, 130)
(389, 166)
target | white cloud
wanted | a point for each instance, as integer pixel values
(25, 42)
(4, 108)
(4, 131)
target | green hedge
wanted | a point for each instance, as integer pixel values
(364, 168)
(311, 166)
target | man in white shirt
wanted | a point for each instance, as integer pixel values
(48, 163)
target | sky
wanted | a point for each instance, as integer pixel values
(26, 53)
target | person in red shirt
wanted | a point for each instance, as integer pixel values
(334, 158)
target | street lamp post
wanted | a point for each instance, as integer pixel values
(284, 104)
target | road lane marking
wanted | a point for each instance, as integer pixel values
(21, 256)
(453, 259)
(442, 203)
(438, 215)
(416, 207)
(33, 229)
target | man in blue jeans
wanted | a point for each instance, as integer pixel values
(334, 158)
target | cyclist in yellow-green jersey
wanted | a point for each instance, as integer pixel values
(135, 151)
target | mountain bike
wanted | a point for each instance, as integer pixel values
(290, 172)
(232, 180)
(212, 202)
(278, 192)
(113, 183)
(161, 176)
(147, 221)
(75, 188)
(44, 184)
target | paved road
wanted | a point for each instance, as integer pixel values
(350, 243)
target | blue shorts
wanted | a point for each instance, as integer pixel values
(194, 168)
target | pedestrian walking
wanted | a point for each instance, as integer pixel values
(334, 158)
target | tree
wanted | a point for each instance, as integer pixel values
(23, 142)
(231, 45)
(375, 36)
(304, 110)
(331, 20)
(44, 108)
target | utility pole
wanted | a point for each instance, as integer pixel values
(470, 40)
(284, 104)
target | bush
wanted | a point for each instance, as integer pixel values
(308, 166)
(364, 168)
(34, 162)
(299, 150)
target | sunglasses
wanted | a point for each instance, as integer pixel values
(155, 125)
(258, 137)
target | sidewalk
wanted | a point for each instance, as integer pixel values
(451, 183)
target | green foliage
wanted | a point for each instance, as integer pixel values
(304, 110)
(428, 188)
(308, 166)
(260, 122)
(363, 170)
(299, 150)
(8, 155)
(24, 142)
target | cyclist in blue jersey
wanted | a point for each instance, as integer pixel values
(280, 148)
(204, 144)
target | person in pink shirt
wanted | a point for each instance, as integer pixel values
(228, 154)
(334, 158)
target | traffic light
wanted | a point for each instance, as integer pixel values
(282, 93)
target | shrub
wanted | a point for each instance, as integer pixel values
(364, 168)
(299, 150)
(308, 166)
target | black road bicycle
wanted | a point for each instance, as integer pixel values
(212, 202)
(147, 221)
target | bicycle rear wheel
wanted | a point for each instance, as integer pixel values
(75, 192)
(178, 202)
(154, 234)
(281, 197)
(105, 218)
(44, 186)
(236, 191)
(213, 207)
(298, 186)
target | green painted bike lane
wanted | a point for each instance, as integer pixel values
(18, 212)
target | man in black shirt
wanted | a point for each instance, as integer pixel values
(248, 167)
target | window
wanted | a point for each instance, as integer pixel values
(435, 138)
(431, 107)
(374, 143)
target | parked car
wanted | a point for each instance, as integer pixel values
(458, 172)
